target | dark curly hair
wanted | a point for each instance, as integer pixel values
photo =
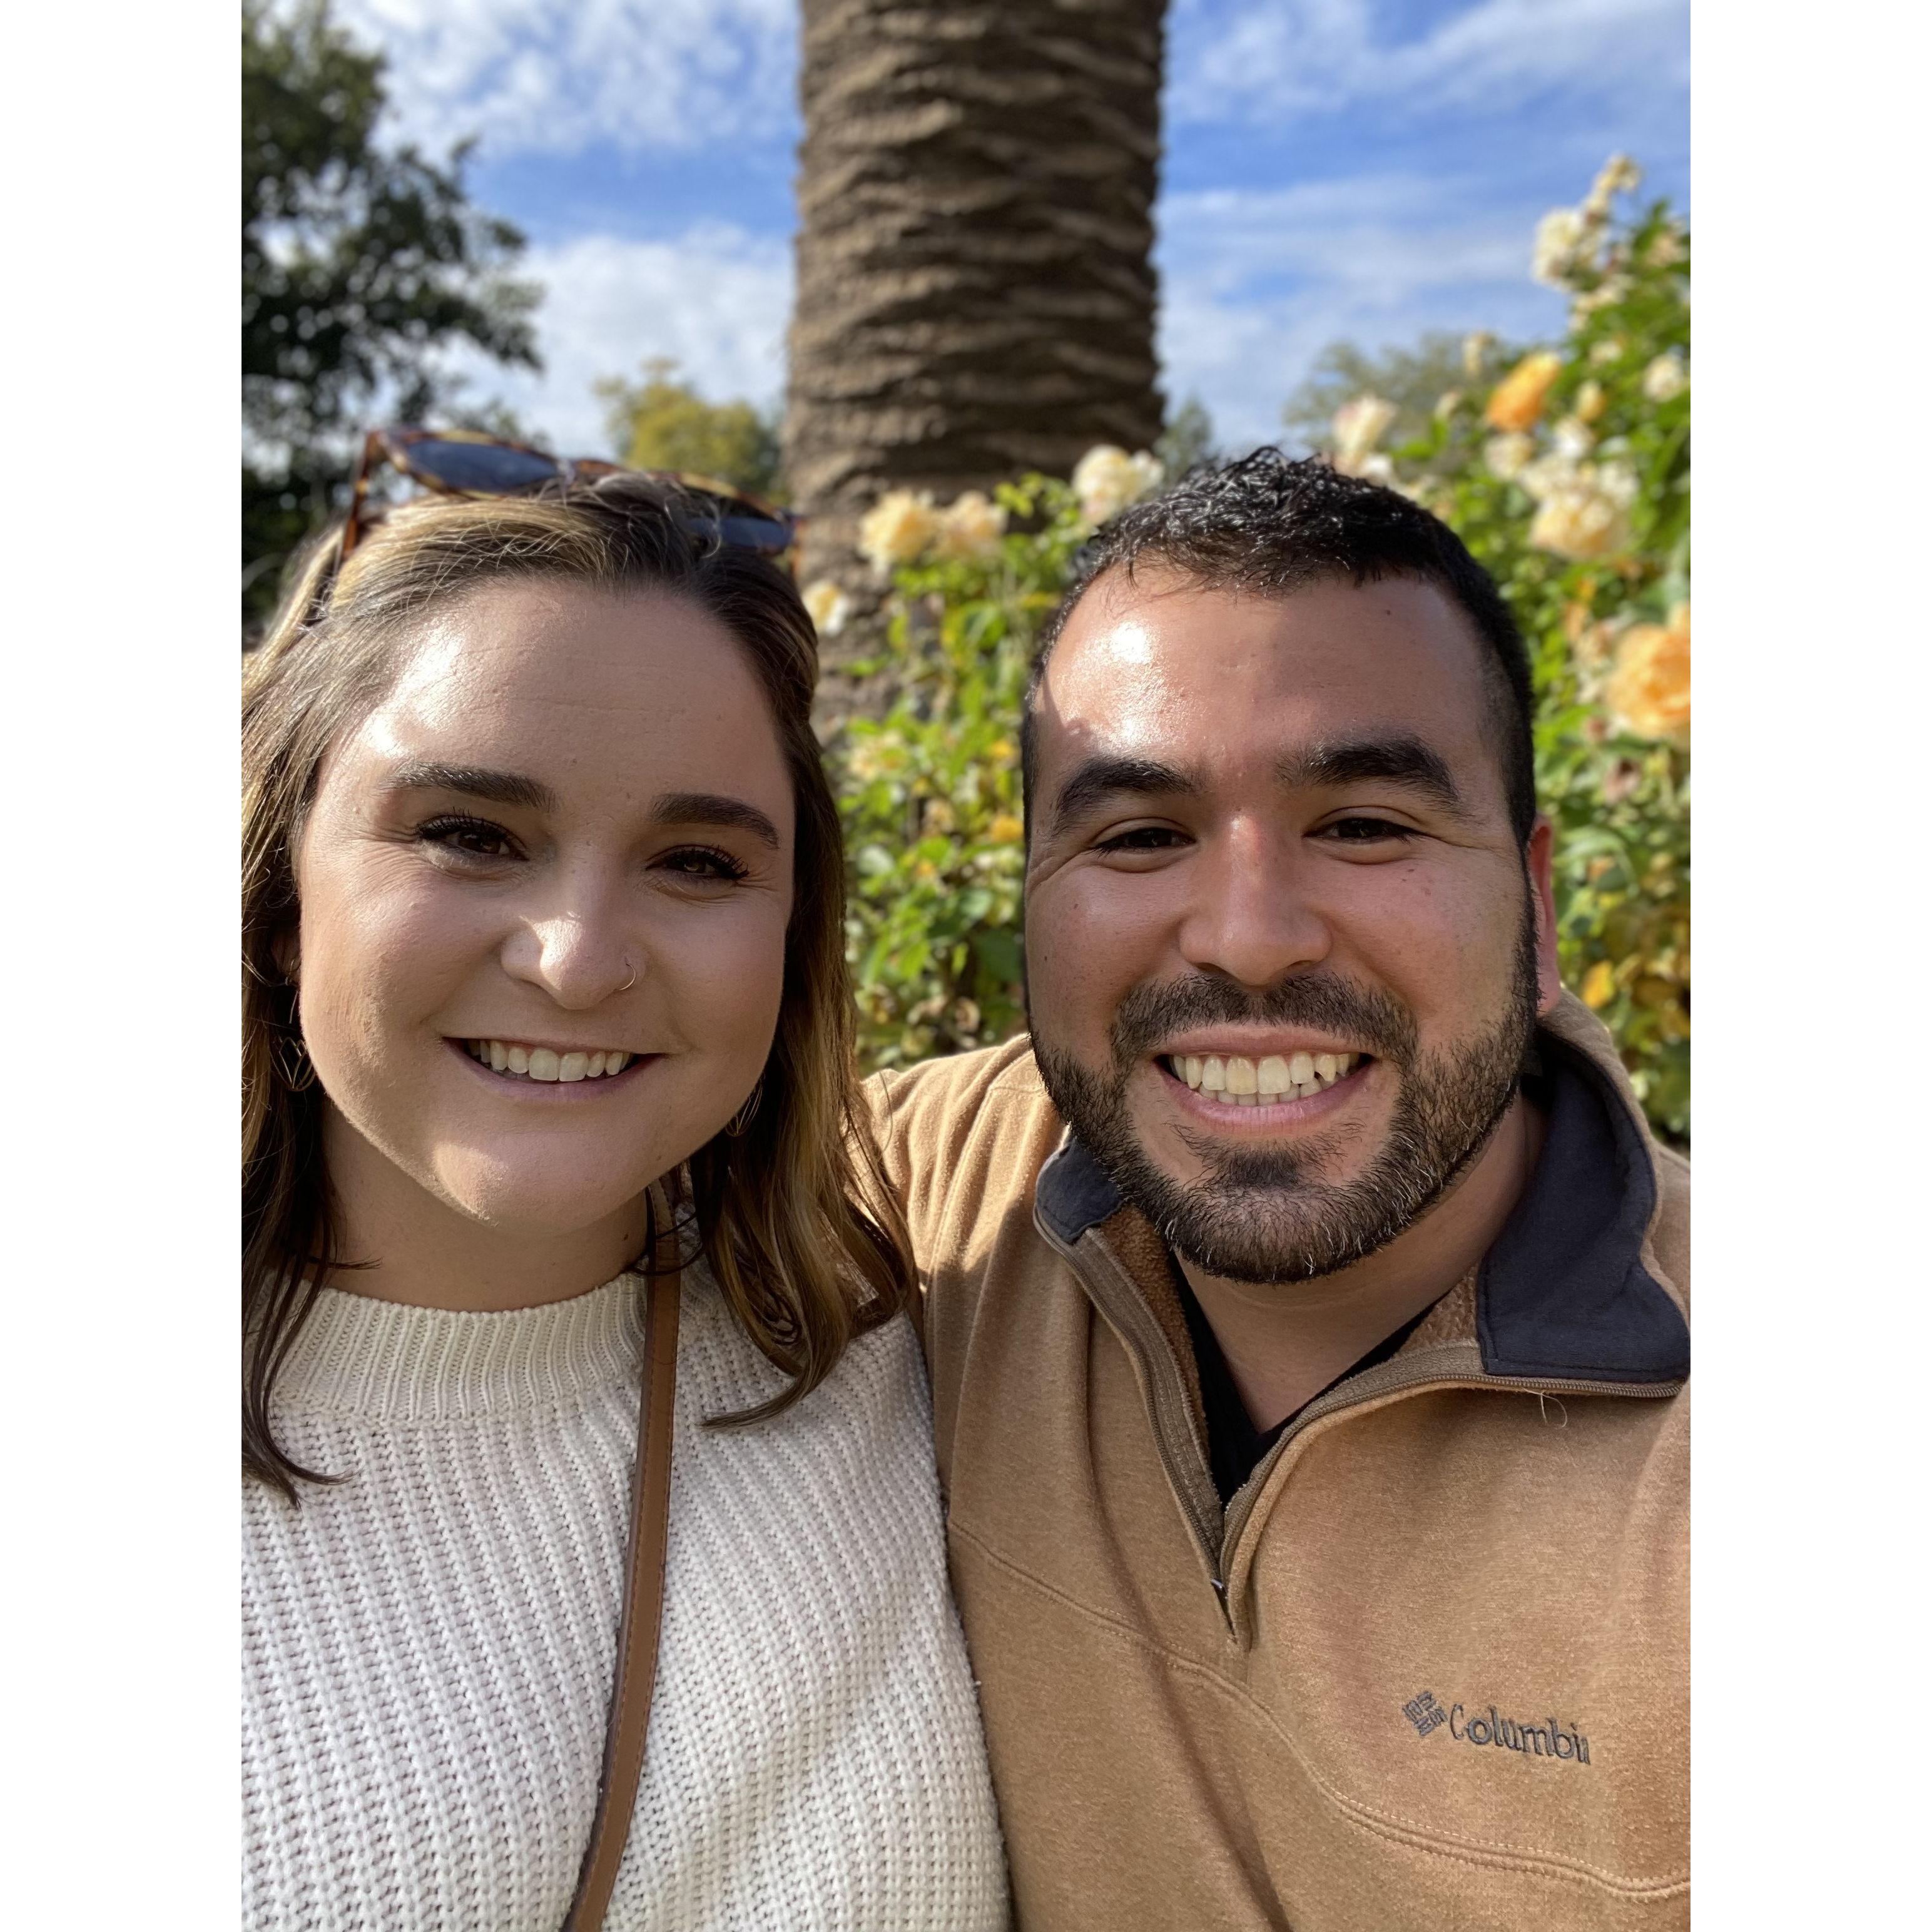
(1269, 526)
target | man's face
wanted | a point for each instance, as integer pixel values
(1284, 951)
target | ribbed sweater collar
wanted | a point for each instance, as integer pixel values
(385, 1362)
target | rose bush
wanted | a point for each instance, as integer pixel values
(1569, 478)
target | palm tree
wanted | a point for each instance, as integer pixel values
(975, 295)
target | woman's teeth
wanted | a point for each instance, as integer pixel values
(541, 1063)
(1242, 1082)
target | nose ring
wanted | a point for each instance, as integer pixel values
(631, 982)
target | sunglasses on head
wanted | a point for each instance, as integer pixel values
(467, 463)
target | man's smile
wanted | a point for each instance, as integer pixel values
(1268, 1090)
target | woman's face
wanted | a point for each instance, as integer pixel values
(562, 842)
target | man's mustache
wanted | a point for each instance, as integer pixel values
(1156, 1010)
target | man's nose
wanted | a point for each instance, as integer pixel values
(1251, 917)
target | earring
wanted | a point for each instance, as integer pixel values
(303, 1077)
(736, 1125)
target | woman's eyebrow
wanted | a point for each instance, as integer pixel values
(499, 788)
(711, 808)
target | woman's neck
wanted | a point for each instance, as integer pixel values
(397, 1242)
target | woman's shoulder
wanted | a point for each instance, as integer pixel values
(879, 1381)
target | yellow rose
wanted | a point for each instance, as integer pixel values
(1590, 401)
(1600, 985)
(971, 528)
(1620, 175)
(1360, 425)
(898, 529)
(827, 606)
(1665, 378)
(1107, 479)
(1506, 455)
(1649, 688)
(1584, 513)
(1005, 829)
(1517, 401)
(1563, 237)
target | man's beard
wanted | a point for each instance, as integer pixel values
(1261, 1214)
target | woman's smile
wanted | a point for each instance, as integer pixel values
(525, 1063)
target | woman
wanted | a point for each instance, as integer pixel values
(544, 952)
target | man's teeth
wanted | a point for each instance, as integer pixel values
(1242, 1082)
(541, 1063)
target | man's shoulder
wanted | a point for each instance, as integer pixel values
(960, 1091)
(979, 1121)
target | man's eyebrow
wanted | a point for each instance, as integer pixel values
(711, 808)
(499, 788)
(1102, 778)
(1398, 760)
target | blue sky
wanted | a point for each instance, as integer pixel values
(1358, 169)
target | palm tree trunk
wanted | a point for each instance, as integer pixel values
(975, 292)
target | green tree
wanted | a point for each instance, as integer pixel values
(361, 264)
(1415, 379)
(1188, 439)
(663, 424)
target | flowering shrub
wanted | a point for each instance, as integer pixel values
(1569, 478)
(930, 794)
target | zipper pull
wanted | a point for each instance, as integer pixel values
(1221, 1598)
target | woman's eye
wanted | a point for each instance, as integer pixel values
(1141, 838)
(472, 837)
(1365, 831)
(704, 863)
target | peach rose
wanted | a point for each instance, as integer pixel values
(1649, 687)
(1517, 401)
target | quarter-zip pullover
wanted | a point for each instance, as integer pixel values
(1427, 1665)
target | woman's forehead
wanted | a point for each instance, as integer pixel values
(587, 692)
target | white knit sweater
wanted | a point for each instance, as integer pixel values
(428, 1648)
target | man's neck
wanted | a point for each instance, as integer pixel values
(1285, 1342)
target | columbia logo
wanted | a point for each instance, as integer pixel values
(1549, 1738)
(1424, 1713)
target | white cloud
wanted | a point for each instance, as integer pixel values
(715, 300)
(1252, 59)
(557, 77)
(1256, 282)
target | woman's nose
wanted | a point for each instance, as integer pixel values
(580, 955)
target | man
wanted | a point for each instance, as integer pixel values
(1305, 1302)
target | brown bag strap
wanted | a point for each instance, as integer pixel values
(643, 1603)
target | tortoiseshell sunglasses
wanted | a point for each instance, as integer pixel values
(467, 463)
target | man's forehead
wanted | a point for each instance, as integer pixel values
(1139, 651)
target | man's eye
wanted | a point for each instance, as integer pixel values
(473, 838)
(1365, 831)
(1141, 838)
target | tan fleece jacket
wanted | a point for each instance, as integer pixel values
(1429, 1669)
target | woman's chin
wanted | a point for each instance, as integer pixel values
(530, 1202)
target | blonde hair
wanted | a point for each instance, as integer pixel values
(793, 1215)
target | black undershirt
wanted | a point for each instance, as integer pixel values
(1235, 1445)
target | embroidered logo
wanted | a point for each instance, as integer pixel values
(1424, 1713)
(1549, 1738)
